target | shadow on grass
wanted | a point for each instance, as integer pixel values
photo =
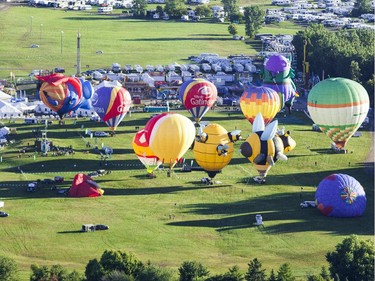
(171, 39)
(69, 231)
(281, 214)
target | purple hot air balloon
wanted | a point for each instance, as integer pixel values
(340, 195)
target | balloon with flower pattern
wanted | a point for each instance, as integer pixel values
(340, 195)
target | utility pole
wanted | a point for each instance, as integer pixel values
(78, 54)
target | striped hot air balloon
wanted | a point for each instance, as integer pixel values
(111, 102)
(144, 152)
(262, 100)
(338, 106)
(198, 95)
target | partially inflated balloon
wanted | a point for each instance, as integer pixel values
(144, 152)
(60, 93)
(111, 102)
(198, 95)
(170, 136)
(262, 100)
(340, 195)
(338, 106)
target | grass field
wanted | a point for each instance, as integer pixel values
(123, 40)
(168, 220)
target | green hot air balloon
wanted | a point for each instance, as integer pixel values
(338, 106)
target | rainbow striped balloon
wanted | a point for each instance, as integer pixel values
(260, 99)
(338, 106)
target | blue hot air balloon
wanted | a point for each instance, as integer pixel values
(340, 195)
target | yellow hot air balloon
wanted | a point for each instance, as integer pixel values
(170, 136)
(213, 148)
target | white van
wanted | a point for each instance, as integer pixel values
(108, 9)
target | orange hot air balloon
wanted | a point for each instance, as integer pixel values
(262, 100)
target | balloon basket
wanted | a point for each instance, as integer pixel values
(207, 181)
(259, 179)
(338, 150)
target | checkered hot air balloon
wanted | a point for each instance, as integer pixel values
(198, 95)
(340, 195)
(262, 100)
(111, 102)
(338, 106)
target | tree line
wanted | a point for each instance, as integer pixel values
(352, 260)
(341, 53)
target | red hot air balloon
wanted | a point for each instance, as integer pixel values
(198, 95)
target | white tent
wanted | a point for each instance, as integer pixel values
(7, 110)
(4, 96)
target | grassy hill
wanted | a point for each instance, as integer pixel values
(168, 220)
(121, 39)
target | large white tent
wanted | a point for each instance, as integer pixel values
(7, 110)
(4, 96)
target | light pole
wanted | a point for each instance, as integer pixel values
(31, 24)
(41, 28)
(61, 45)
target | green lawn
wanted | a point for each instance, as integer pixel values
(170, 220)
(123, 40)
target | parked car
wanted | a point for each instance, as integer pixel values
(308, 204)
(100, 134)
(3, 214)
(101, 227)
(34, 46)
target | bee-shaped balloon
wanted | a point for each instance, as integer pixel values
(283, 143)
(213, 148)
(259, 147)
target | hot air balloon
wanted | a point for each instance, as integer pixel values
(278, 75)
(338, 106)
(144, 152)
(169, 136)
(213, 149)
(61, 93)
(111, 102)
(198, 95)
(340, 195)
(260, 99)
(259, 148)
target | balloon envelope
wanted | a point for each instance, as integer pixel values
(206, 153)
(170, 137)
(144, 152)
(277, 75)
(198, 95)
(260, 99)
(338, 106)
(111, 102)
(340, 195)
(60, 93)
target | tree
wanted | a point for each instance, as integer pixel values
(203, 11)
(285, 273)
(154, 273)
(175, 8)
(139, 7)
(233, 274)
(117, 276)
(8, 269)
(39, 272)
(230, 7)
(353, 259)
(255, 271)
(272, 276)
(254, 18)
(94, 271)
(361, 7)
(192, 271)
(232, 29)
